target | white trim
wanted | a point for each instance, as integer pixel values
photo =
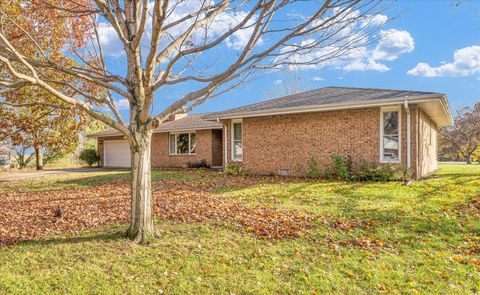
(184, 129)
(409, 135)
(117, 133)
(104, 154)
(391, 109)
(189, 143)
(232, 138)
(225, 144)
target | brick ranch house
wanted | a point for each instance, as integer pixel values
(278, 136)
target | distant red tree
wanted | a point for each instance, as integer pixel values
(463, 138)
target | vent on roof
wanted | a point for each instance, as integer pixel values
(179, 116)
(175, 117)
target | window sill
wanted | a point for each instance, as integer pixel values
(390, 162)
(182, 154)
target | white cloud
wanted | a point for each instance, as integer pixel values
(240, 38)
(278, 82)
(392, 44)
(317, 78)
(222, 23)
(368, 65)
(122, 104)
(377, 19)
(466, 62)
(111, 44)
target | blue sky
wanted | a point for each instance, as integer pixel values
(426, 34)
(438, 29)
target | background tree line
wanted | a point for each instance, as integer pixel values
(461, 142)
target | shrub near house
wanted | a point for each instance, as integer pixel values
(89, 156)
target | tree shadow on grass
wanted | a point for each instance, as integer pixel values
(104, 236)
(96, 180)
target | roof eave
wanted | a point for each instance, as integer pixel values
(97, 135)
(317, 108)
(186, 129)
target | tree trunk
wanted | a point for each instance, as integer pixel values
(39, 158)
(468, 158)
(141, 224)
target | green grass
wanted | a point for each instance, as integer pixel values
(426, 234)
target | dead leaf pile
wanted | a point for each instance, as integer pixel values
(269, 223)
(31, 215)
(472, 207)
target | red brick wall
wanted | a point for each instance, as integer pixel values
(217, 148)
(286, 142)
(206, 141)
(162, 158)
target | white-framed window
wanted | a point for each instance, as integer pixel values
(237, 140)
(182, 143)
(390, 135)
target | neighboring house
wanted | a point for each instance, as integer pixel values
(278, 136)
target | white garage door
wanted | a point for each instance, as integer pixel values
(116, 153)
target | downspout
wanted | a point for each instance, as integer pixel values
(225, 157)
(407, 110)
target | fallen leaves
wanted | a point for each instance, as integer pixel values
(31, 215)
(348, 225)
(185, 205)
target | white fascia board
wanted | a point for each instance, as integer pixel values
(186, 129)
(331, 107)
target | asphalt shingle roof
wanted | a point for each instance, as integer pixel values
(322, 97)
(190, 122)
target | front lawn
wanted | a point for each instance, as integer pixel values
(232, 234)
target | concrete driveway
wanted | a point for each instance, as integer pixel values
(17, 176)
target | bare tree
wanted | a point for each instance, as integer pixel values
(195, 49)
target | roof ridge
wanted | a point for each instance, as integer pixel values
(382, 89)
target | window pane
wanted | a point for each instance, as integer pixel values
(390, 123)
(390, 148)
(192, 143)
(237, 150)
(391, 143)
(172, 144)
(182, 143)
(237, 131)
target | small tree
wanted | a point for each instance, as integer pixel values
(463, 137)
(50, 132)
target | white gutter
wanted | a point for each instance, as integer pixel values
(225, 156)
(446, 108)
(407, 110)
(329, 107)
